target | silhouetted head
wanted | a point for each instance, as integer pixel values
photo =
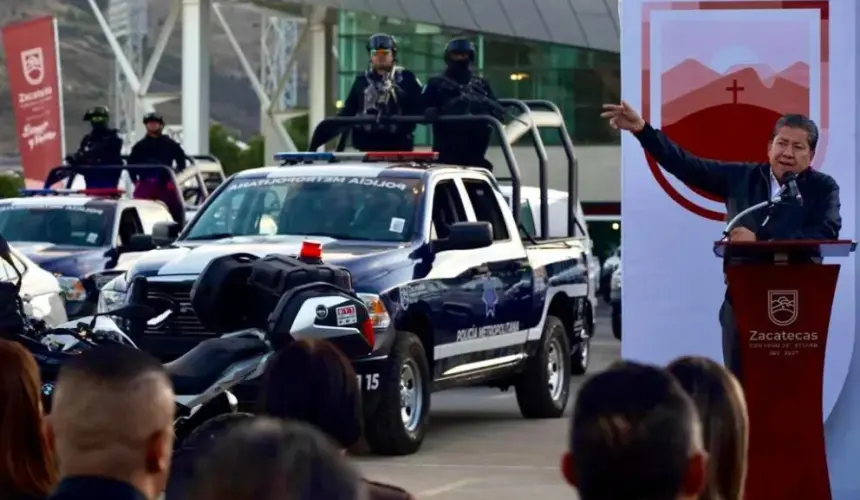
(459, 55)
(719, 400)
(98, 117)
(154, 123)
(26, 461)
(635, 436)
(383, 51)
(792, 147)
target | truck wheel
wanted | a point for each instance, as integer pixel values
(544, 387)
(398, 424)
(581, 354)
(616, 322)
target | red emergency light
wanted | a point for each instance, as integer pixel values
(371, 156)
(102, 192)
(311, 250)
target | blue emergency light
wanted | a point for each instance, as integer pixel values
(367, 157)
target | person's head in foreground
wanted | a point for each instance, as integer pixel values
(635, 436)
(26, 461)
(792, 147)
(312, 381)
(112, 422)
(720, 402)
(270, 459)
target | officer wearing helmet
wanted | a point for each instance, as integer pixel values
(458, 91)
(102, 146)
(158, 149)
(384, 89)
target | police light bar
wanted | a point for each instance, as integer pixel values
(94, 192)
(368, 157)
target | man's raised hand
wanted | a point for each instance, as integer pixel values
(623, 117)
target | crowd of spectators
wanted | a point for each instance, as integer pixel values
(639, 432)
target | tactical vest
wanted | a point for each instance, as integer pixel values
(381, 98)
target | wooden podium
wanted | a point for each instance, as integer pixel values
(782, 297)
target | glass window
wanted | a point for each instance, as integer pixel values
(152, 213)
(74, 225)
(343, 207)
(486, 207)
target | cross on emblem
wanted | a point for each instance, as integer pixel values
(734, 89)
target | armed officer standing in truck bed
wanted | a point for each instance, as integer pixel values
(385, 89)
(458, 91)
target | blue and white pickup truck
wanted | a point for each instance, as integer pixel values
(456, 296)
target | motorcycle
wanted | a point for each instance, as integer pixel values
(203, 377)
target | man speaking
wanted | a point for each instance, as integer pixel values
(742, 185)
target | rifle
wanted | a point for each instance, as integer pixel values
(473, 93)
(389, 92)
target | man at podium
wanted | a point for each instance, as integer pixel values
(814, 215)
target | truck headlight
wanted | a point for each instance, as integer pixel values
(376, 308)
(72, 289)
(112, 295)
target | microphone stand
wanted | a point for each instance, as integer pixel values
(778, 198)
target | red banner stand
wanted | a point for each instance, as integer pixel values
(782, 297)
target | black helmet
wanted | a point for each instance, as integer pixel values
(153, 117)
(460, 46)
(382, 41)
(98, 114)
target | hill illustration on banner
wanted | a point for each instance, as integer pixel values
(691, 86)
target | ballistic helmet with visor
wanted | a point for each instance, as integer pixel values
(98, 114)
(382, 43)
(460, 47)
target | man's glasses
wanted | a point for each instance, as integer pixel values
(380, 52)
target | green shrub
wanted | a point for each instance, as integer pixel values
(10, 184)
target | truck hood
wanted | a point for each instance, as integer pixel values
(65, 260)
(189, 258)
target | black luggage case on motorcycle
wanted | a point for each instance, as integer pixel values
(274, 275)
(220, 295)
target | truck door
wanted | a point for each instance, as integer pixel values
(502, 275)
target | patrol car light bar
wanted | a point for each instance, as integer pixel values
(95, 192)
(368, 157)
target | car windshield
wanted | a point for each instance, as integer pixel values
(59, 225)
(343, 207)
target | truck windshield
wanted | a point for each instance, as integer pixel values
(60, 225)
(342, 207)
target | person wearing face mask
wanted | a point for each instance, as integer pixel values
(458, 91)
(101, 147)
(156, 148)
(744, 184)
(384, 89)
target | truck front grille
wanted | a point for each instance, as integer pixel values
(184, 323)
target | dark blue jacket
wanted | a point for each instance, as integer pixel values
(91, 488)
(745, 184)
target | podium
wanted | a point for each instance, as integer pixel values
(782, 295)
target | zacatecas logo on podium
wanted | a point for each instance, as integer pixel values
(783, 306)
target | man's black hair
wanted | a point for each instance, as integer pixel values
(802, 122)
(632, 434)
(111, 364)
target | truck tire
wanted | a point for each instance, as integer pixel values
(581, 355)
(544, 387)
(397, 425)
(616, 322)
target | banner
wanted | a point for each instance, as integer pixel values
(715, 76)
(33, 64)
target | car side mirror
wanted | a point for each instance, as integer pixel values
(165, 232)
(139, 243)
(465, 236)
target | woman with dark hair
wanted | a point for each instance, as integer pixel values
(720, 401)
(311, 381)
(26, 462)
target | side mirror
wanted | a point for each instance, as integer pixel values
(139, 243)
(165, 232)
(466, 236)
(5, 250)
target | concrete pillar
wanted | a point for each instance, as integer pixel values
(317, 78)
(196, 39)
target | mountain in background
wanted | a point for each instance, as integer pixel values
(87, 65)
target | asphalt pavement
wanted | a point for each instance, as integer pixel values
(478, 446)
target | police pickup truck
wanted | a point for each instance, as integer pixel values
(455, 295)
(79, 236)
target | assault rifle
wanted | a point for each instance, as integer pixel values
(472, 92)
(389, 92)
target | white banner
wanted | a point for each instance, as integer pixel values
(715, 76)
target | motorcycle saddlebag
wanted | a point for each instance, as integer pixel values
(274, 275)
(219, 295)
(322, 311)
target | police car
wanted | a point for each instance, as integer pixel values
(80, 236)
(457, 298)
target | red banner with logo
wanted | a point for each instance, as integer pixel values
(33, 65)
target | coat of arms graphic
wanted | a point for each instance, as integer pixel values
(782, 309)
(33, 63)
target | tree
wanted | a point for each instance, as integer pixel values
(255, 155)
(224, 148)
(10, 184)
(298, 130)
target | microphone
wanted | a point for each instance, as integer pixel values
(789, 180)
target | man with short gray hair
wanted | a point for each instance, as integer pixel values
(112, 425)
